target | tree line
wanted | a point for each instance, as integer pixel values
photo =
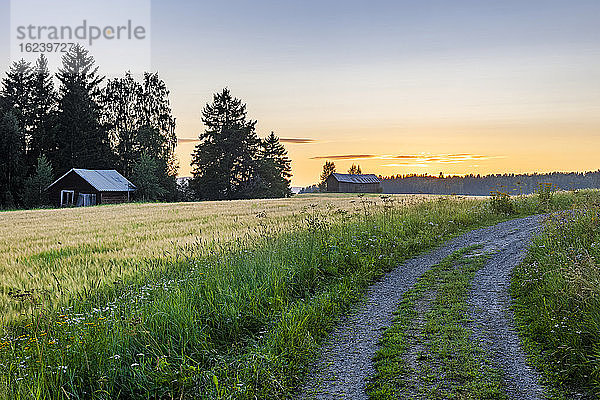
(475, 185)
(482, 185)
(76, 118)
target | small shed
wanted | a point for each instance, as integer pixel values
(88, 187)
(353, 183)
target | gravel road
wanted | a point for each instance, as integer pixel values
(345, 365)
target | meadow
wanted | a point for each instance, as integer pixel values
(204, 300)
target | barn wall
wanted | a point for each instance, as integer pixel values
(347, 187)
(113, 197)
(332, 184)
(70, 182)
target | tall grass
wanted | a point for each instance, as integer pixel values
(557, 294)
(225, 319)
(49, 255)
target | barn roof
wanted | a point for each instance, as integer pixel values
(357, 178)
(103, 180)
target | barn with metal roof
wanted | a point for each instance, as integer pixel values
(353, 183)
(88, 187)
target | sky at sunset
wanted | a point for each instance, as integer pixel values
(396, 86)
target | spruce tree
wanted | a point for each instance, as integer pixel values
(12, 157)
(82, 138)
(16, 95)
(43, 113)
(276, 168)
(35, 186)
(225, 162)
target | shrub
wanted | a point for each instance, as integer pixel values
(501, 203)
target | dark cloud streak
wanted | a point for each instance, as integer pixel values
(187, 140)
(297, 140)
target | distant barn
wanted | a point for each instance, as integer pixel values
(88, 187)
(353, 183)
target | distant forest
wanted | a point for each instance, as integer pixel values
(483, 185)
(474, 185)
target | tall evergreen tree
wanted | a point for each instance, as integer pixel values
(12, 157)
(43, 113)
(225, 162)
(83, 140)
(276, 168)
(16, 95)
(16, 98)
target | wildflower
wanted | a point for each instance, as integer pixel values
(135, 365)
(116, 357)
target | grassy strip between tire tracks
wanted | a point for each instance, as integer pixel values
(428, 351)
(227, 322)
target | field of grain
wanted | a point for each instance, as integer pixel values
(46, 255)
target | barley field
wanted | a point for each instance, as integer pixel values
(46, 255)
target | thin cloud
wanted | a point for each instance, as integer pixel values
(345, 157)
(187, 140)
(411, 160)
(297, 140)
(282, 140)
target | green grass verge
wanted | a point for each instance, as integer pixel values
(226, 321)
(428, 351)
(557, 302)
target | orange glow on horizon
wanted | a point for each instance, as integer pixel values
(452, 149)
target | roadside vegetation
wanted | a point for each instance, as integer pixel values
(557, 296)
(428, 353)
(49, 256)
(204, 302)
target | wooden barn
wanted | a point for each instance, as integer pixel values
(88, 187)
(353, 183)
